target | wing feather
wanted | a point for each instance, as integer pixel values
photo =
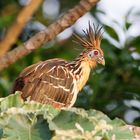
(47, 82)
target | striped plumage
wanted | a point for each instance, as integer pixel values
(57, 81)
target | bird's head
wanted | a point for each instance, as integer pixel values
(91, 42)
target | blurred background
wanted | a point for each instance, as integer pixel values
(113, 89)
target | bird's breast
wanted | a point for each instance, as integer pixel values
(83, 76)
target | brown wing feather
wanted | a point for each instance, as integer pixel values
(47, 82)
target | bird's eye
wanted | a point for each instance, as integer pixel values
(93, 53)
(96, 52)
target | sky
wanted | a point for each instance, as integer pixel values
(118, 8)
(115, 11)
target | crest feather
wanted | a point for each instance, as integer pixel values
(92, 37)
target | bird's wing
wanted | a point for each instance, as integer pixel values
(47, 82)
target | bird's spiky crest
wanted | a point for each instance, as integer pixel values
(92, 37)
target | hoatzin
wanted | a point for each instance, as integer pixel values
(57, 81)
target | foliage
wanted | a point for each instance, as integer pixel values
(111, 89)
(34, 121)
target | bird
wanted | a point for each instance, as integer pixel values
(56, 81)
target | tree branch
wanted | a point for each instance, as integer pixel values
(22, 18)
(48, 34)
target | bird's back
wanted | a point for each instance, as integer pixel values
(49, 82)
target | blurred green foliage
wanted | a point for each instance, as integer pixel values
(112, 89)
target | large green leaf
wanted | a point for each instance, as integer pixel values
(69, 120)
(80, 124)
(34, 121)
(11, 101)
(24, 127)
(111, 31)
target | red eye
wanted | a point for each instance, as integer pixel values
(95, 52)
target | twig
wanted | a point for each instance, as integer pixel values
(48, 34)
(22, 18)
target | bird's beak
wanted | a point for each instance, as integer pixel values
(101, 61)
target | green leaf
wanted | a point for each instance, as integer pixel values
(111, 31)
(69, 120)
(35, 121)
(13, 100)
(1, 132)
(77, 122)
(41, 109)
(24, 127)
(135, 43)
(5, 21)
(127, 25)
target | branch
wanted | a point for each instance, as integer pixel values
(22, 18)
(48, 34)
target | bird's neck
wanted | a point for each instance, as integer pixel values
(82, 68)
